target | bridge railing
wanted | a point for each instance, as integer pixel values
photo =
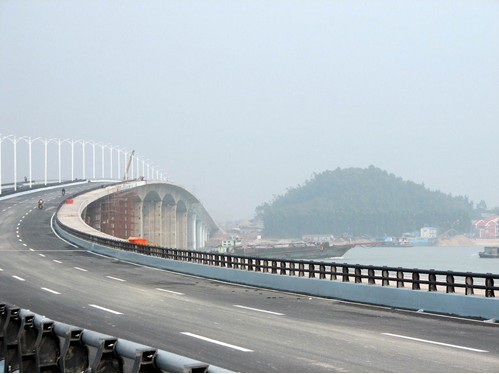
(467, 283)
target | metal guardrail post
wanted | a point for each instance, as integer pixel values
(432, 281)
(450, 284)
(385, 281)
(273, 269)
(322, 271)
(489, 283)
(334, 270)
(415, 281)
(143, 357)
(106, 360)
(46, 346)
(282, 268)
(26, 339)
(74, 354)
(358, 275)
(292, 269)
(345, 276)
(11, 327)
(371, 275)
(469, 285)
(400, 278)
(301, 269)
(265, 266)
(3, 315)
(311, 270)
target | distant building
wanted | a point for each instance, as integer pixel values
(429, 232)
(486, 228)
(318, 238)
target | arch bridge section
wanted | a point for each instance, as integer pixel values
(164, 214)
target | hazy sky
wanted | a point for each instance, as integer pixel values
(240, 100)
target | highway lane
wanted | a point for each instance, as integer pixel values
(239, 328)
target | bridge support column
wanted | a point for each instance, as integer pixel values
(192, 228)
(169, 223)
(181, 229)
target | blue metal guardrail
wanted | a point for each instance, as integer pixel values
(32, 343)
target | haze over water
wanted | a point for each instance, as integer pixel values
(459, 258)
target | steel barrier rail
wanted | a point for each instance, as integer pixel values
(478, 284)
(32, 343)
(433, 280)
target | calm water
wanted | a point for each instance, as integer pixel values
(438, 258)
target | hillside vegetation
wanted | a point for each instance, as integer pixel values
(358, 202)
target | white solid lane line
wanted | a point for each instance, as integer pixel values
(18, 278)
(117, 279)
(80, 269)
(260, 310)
(217, 342)
(173, 292)
(104, 309)
(51, 291)
(437, 343)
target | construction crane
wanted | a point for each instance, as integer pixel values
(125, 177)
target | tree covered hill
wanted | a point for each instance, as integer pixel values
(357, 202)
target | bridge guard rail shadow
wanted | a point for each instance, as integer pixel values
(32, 343)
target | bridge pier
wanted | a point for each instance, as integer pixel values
(164, 214)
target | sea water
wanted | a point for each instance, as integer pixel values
(438, 258)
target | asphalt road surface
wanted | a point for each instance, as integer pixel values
(239, 328)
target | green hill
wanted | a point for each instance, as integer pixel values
(358, 202)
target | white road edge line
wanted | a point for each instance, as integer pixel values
(56, 234)
(118, 279)
(217, 342)
(260, 310)
(51, 291)
(80, 269)
(437, 343)
(18, 278)
(104, 309)
(174, 292)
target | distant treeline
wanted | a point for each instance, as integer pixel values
(358, 202)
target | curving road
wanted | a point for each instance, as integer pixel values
(238, 328)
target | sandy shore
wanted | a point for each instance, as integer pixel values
(461, 240)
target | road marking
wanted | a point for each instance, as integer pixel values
(31, 249)
(259, 310)
(118, 279)
(17, 235)
(25, 244)
(51, 291)
(437, 343)
(176, 293)
(59, 262)
(104, 309)
(18, 278)
(217, 342)
(80, 269)
(56, 234)
(41, 254)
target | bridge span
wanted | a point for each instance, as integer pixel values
(164, 213)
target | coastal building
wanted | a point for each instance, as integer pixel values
(429, 232)
(486, 228)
